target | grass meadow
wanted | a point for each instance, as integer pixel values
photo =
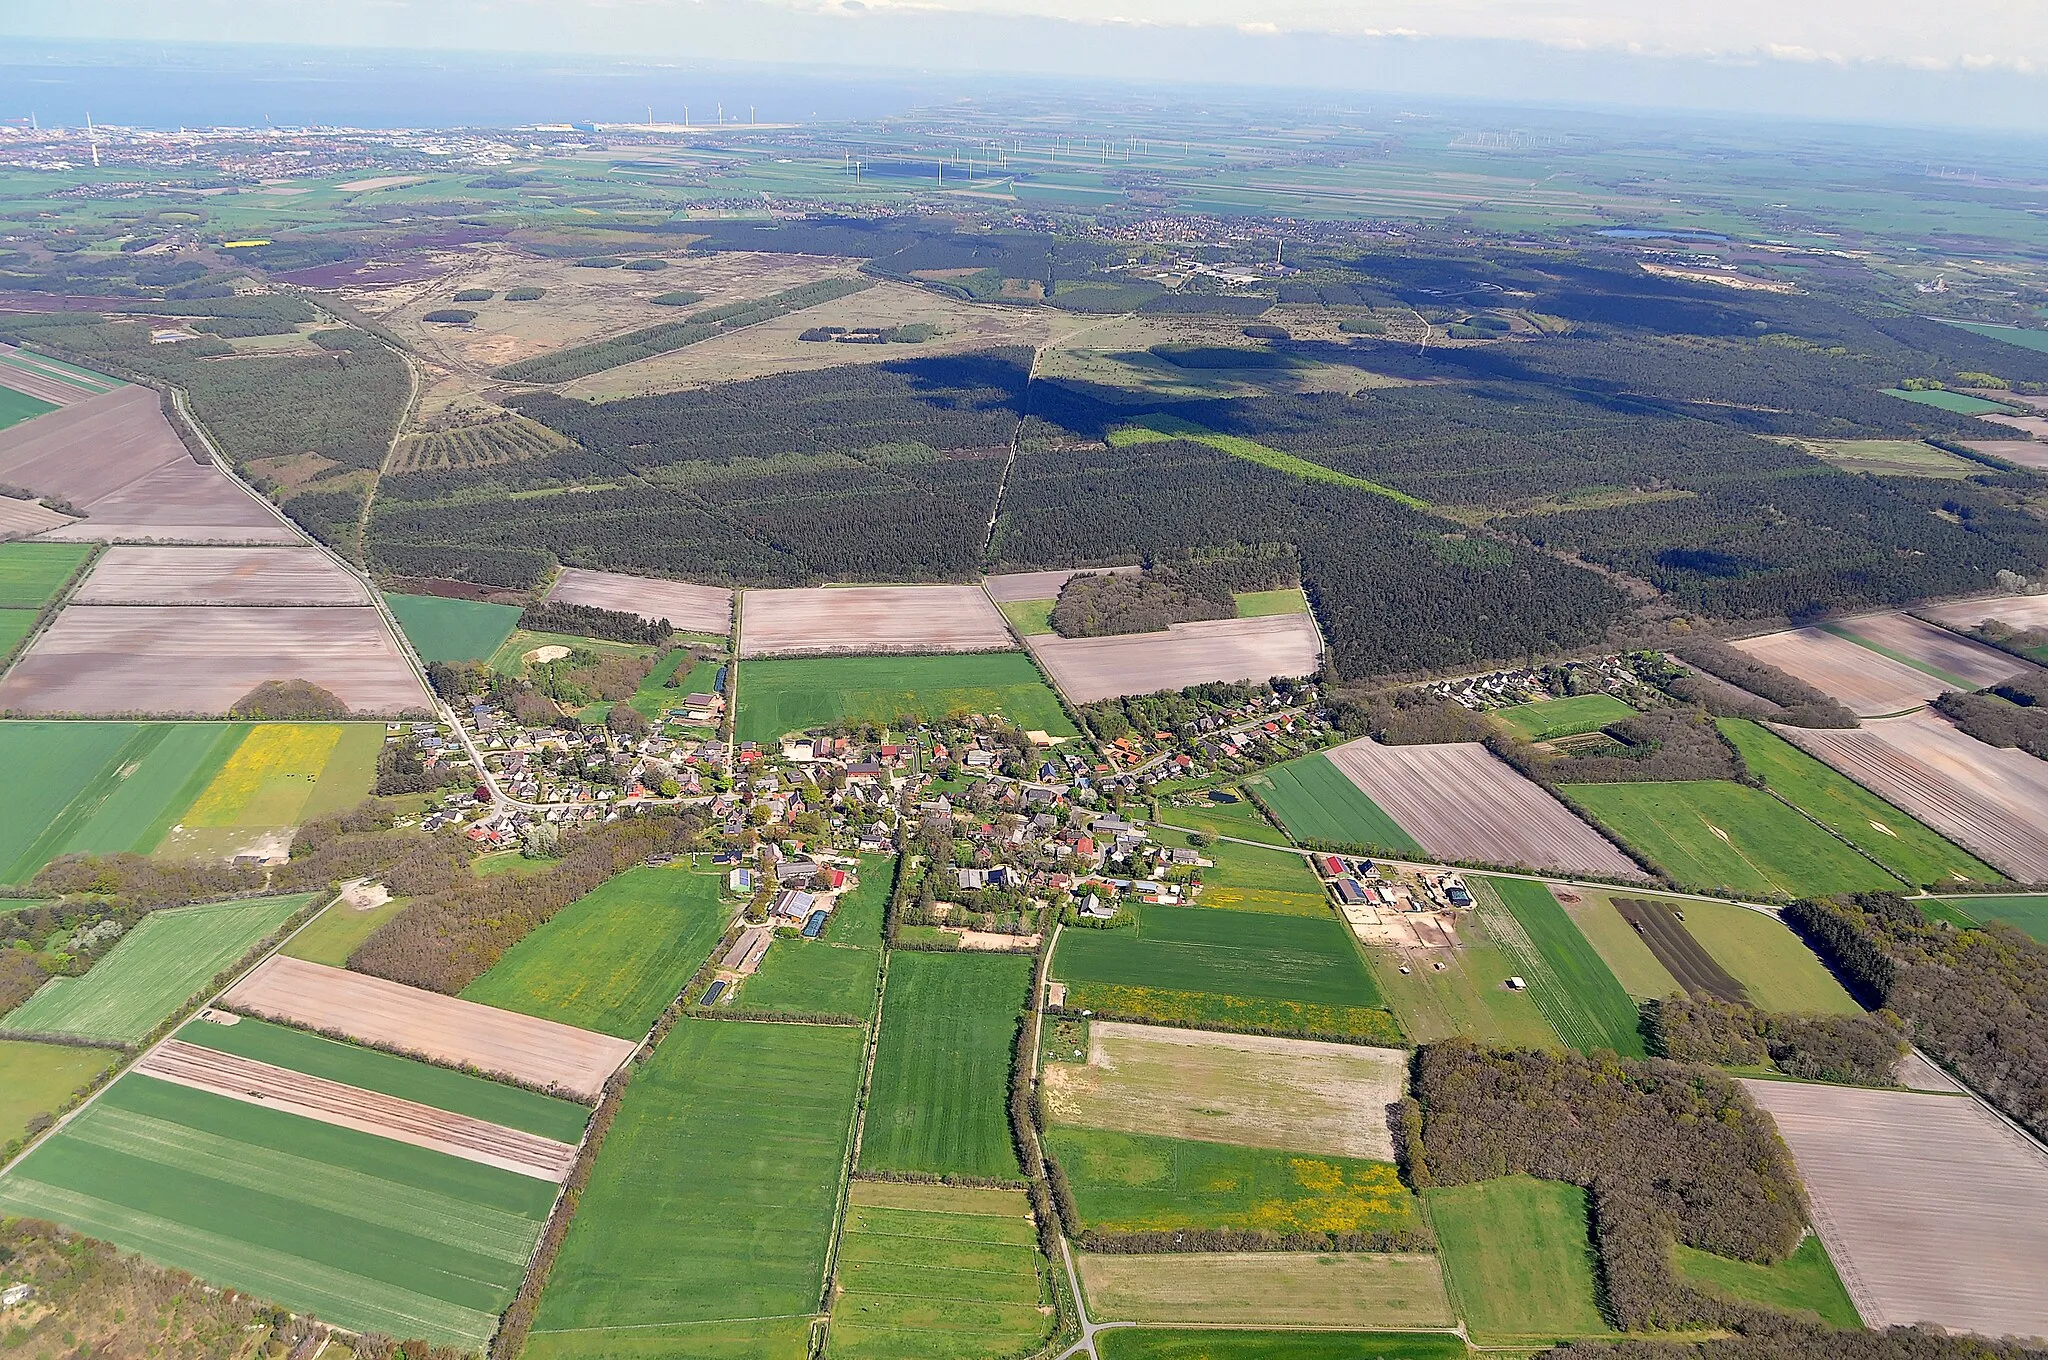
(1148, 1343)
(706, 1221)
(367, 1069)
(1316, 802)
(936, 1272)
(1031, 618)
(453, 630)
(938, 1098)
(1518, 1256)
(1547, 718)
(1247, 878)
(836, 973)
(778, 696)
(16, 407)
(1229, 953)
(333, 935)
(1241, 819)
(1762, 953)
(1716, 835)
(15, 626)
(2024, 912)
(160, 965)
(31, 574)
(37, 1078)
(1805, 1281)
(1571, 983)
(1260, 604)
(1893, 838)
(1469, 997)
(1130, 1182)
(611, 961)
(369, 1233)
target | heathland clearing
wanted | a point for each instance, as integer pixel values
(442, 629)
(937, 1100)
(857, 620)
(1231, 1088)
(1465, 804)
(160, 965)
(1316, 801)
(1231, 650)
(1933, 1208)
(1549, 718)
(795, 695)
(613, 960)
(1268, 1288)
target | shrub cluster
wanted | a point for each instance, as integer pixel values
(1864, 1049)
(1804, 705)
(1770, 1336)
(2015, 714)
(584, 620)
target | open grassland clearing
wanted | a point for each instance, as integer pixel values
(611, 961)
(101, 788)
(1316, 801)
(366, 1232)
(1634, 965)
(330, 1102)
(711, 1205)
(31, 574)
(127, 574)
(156, 968)
(333, 935)
(1991, 800)
(1956, 661)
(835, 974)
(2025, 912)
(368, 1069)
(1571, 984)
(856, 620)
(439, 1029)
(1231, 650)
(200, 660)
(935, 1272)
(1268, 1288)
(936, 1102)
(1259, 604)
(1246, 878)
(1547, 718)
(777, 697)
(1761, 952)
(1884, 833)
(1713, 835)
(1130, 1182)
(1231, 1088)
(1463, 991)
(688, 608)
(1465, 804)
(1887, 457)
(37, 1078)
(1160, 428)
(1932, 1208)
(1031, 618)
(1870, 683)
(1805, 1281)
(1142, 1343)
(442, 629)
(1518, 1254)
(1240, 819)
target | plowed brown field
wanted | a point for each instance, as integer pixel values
(198, 575)
(857, 620)
(690, 608)
(1973, 663)
(1869, 683)
(1087, 669)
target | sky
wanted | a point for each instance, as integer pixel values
(1962, 62)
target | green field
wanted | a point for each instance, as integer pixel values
(655, 696)
(453, 630)
(1031, 618)
(159, 966)
(1230, 953)
(1891, 837)
(1468, 996)
(776, 697)
(1130, 1182)
(369, 1233)
(1962, 403)
(31, 574)
(1773, 965)
(2025, 912)
(836, 973)
(2011, 335)
(1549, 718)
(37, 1078)
(935, 1272)
(1151, 1343)
(101, 788)
(1716, 835)
(1246, 878)
(1634, 966)
(367, 1069)
(1315, 802)
(1804, 1281)
(708, 1215)
(1259, 604)
(937, 1101)
(333, 935)
(1241, 819)
(1569, 980)
(613, 960)
(15, 624)
(1518, 1255)
(16, 407)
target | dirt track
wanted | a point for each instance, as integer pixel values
(331, 1102)
(868, 620)
(440, 1029)
(688, 608)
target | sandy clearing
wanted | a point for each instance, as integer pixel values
(1293, 1094)
(1932, 1208)
(207, 575)
(1041, 585)
(439, 1029)
(1461, 802)
(1988, 799)
(198, 660)
(1868, 682)
(20, 519)
(1269, 1288)
(1087, 669)
(852, 620)
(2015, 611)
(332, 1102)
(689, 608)
(1968, 661)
